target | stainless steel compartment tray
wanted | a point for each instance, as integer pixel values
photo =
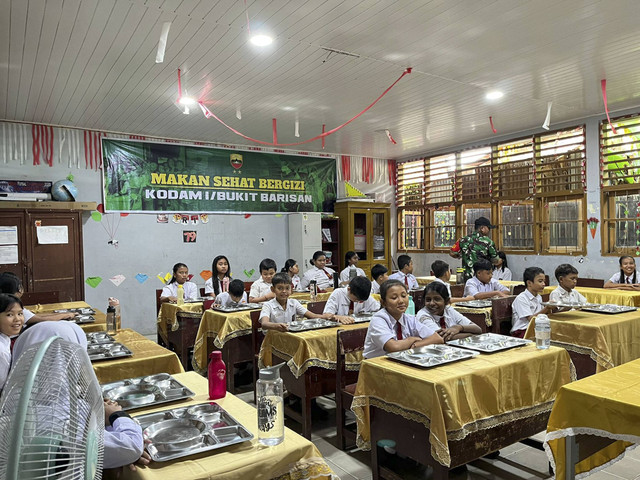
(184, 431)
(311, 324)
(108, 351)
(95, 338)
(609, 308)
(79, 311)
(146, 391)
(431, 355)
(81, 319)
(238, 308)
(362, 317)
(573, 305)
(489, 342)
(474, 304)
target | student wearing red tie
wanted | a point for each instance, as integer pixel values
(627, 278)
(11, 322)
(440, 316)
(319, 272)
(405, 273)
(391, 329)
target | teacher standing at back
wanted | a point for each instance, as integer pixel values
(475, 246)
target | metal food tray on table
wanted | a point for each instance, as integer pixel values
(82, 319)
(474, 304)
(573, 305)
(239, 308)
(96, 338)
(146, 391)
(432, 355)
(609, 308)
(196, 300)
(79, 311)
(362, 317)
(108, 351)
(180, 432)
(311, 324)
(489, 342)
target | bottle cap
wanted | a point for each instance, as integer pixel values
(111, 309)
(215, 355)
(271, 373)
(542, 319)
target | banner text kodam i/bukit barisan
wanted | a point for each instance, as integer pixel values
(143, 176)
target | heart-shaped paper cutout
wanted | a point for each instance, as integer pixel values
(93, 282)
(249, 273)
(206, 274)
(190, 277)
(247, 215)
(124, 214)
(117, 279)
(100, 208)
(141, 277)
(96, 216)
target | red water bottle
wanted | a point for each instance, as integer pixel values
(217, 376)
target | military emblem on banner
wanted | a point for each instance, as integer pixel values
(236, 162)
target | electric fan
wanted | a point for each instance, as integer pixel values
(52, 416)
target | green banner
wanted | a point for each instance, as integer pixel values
(166, 177)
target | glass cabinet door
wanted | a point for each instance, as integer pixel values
(379, 240)
(360, 235)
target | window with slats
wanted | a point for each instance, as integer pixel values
(516, 226)
(512, 170)
(563, 225)
(473, 175)
(440, 173)
(471, 213)
(442, 227)
(411, 229)
(410, 187)
(561, 162)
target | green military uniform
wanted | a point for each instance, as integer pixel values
(474, 247)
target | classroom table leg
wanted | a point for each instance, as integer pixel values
(571, 457)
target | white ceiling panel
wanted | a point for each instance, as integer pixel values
(91, 64)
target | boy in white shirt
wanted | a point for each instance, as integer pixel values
(261, 290)
(278, 312)
(529, 302)
(567, 276)
(354, 298)
(405, 273)
(379, 275)
(440, 270)
(235, 296)
(482, 285)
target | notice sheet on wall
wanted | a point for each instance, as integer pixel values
(8, 235)
(56, 234)
(8, 254)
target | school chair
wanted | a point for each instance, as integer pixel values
(478, 318)
(518, 289)
(201, 292)
(42, 298)
(316, 307)
(348, 341)
(457, 291)
(161, 341)
(501, 314)
(158, 302)
(590, 282)
(182, 340)
(418, 299)
(257, 335)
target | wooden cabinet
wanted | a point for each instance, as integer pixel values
(331, 243)
(365, 229)
(47, 267)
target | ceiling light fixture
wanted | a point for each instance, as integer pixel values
(186, 101)
(261, 40)
(494, 95)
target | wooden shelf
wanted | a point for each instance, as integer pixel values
(87, 206)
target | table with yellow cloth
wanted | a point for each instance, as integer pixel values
(510, 284)
(427, 279)
(148, 358)
(455, 400)
(168, 319)
(610, 340)
(312, 348)
(605, 295)
(486, 311)
(321, 297)
(605, 408)
(294, 459)
(100, 325)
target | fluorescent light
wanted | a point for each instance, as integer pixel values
(494, 95)
(261, 40)
(186, 101)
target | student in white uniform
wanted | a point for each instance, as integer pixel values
(355, 298)
(123, 442)
(391, 329)
(529, 302)
(220, 269)
(567, 276)
(439, 315)
(440, 270)
(278, 312)
(319, 272)
(234, 297)
(180, 277)
(291, 268)
(482, 285)
(11, 323)
(261, 288)
(379, 275)
(627, 278)
(351, 263)
(405, 273)
(501, 269)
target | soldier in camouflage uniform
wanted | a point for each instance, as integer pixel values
(475, 246)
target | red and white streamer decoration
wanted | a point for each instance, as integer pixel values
(345, 167)
(42, 136)
(603, 86)
(390, 137)
(393, 172)
(367, 170)
(93, 149)
(493, 129)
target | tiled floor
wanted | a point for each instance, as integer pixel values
(516, 462)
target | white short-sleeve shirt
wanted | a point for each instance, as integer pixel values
(451, 317)
(375, 288)
(190, 290)
(338, 303)
(411, 281)
(383, 328)
(320, 276)
(344, 274)
(224, 299)
(28, 314)
(474, 286)
(525, 305)
(502, 274)
(560, 295)
(627, 279)
(278, 314)
(446, 284)
(259, 288)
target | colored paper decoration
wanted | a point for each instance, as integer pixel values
(117, 280)
(206, 274)
(141, 278)
(96, 216)
(93, 282)
(249, 273)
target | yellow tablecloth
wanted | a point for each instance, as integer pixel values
(313, 348)
(605, 405)
(100, 325)
(167, 315)
(148, 358)
(510, 284)
(427, 279)
(610, 340)
(463, 397)
(294, 459)
(222, 327)
(485, 311)
(605, 295)
(321, 297)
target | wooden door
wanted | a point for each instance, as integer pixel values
(58, 266)
(10, 220)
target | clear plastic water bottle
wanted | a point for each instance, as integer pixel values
(543, 332)
(313, 290)
(353, 273)
(269, 392)
(111, 320)
(411, 309)
(217, 376)
(180, 295)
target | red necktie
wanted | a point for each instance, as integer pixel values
(329, 276)
(443, 325)
(351, 307)
(406, 280)
(398, 331)
(13, 341)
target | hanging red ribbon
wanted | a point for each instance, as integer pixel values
(346, 168)
(274, 124)
(393, 179)
(208, 114)
(367, 169)
(493, 129)
(390, 137)
(603, 86)
(35, 146)
(323, 128)
(179, 86)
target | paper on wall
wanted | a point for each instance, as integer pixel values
(8, 254)
(58, 234)
(8, 235)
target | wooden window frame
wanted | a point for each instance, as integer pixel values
(500, 224)
(401, 230)
(542, 237)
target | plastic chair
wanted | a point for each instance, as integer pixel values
(590, 282)
(183, 339)
(501, 314)
(316, 307)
